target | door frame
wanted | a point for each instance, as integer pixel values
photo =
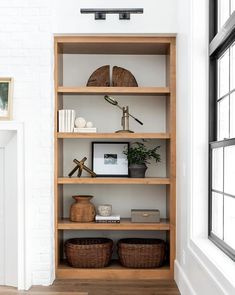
(24, 277)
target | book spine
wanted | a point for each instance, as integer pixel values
(107, 221)
(60, 120)
(72, 121)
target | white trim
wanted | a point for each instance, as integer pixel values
(213, 261)
(216, 264)
(182, 280)
(24, 276)
(2, 227)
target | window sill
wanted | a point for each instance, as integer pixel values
(218, 264)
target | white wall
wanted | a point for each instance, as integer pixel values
(26, 44)
(26, 53)
(159, 17)
(200, 267)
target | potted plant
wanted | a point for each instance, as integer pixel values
(138, 155)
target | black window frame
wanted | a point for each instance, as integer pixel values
(220, 41)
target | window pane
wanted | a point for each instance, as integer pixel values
(223, 118)
(232, 115)
(223, 67)
(229, 221)
(229, 170)
(232, 6)
(232, 76)
(217, 169)
(223, 12)
(217, 214)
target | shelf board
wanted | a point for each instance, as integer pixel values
(114, 135)
(125, 224)
(153, 91)
(113, 180)
(115, 44)
(114, 271)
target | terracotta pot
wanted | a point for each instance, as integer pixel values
(82, 210)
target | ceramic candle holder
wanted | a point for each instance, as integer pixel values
(105, 210)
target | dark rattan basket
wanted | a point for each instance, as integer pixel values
(141, 253)
(88, 252)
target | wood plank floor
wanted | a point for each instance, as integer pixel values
(99, 287)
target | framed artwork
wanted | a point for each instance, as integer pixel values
(108, 159)
(6, 85)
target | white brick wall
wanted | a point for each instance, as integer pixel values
(26, 54)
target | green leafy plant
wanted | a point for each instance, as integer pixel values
(138, 153)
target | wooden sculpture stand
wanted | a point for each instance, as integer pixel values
(80, 166)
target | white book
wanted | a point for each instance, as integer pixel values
(111, 217)
(60, 121)
(69, 120)
(85, 130)
(61, 114)
(72, 121)
(63, 120)
(66, 120)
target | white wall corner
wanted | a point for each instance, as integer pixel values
(182, 281)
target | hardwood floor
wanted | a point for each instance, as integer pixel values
(99, 287)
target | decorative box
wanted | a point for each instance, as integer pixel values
(145, 215)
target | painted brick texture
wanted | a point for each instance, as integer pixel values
(26, 54)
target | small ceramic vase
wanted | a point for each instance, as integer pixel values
(105, 210)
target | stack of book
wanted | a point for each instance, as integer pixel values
(85, 130)
(107, 219)
(66, 120)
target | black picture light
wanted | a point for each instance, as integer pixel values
(124, 13)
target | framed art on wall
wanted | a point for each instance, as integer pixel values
(6, 85)
(108, 159)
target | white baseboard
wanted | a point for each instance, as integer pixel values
(182, 281)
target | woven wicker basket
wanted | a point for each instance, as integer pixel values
(88, 252)
(141, 253)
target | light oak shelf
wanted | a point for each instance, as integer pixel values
(153, 91)
(114, 271)
(113, 180)
(114, 135)
(125, 224)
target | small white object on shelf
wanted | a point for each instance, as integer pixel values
(105, 210)
(66, 120)
(80, 122)
(85, 130)
(104, 218)
(89, 124)
(107, 219)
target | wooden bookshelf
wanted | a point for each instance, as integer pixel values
(113, 180)
(116, 45)
(113, 271)
(153, 91)
(125, 224)
(114, 135)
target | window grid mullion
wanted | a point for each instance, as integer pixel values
(223, 193)
(222, 41)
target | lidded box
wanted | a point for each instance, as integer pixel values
(145, 215)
